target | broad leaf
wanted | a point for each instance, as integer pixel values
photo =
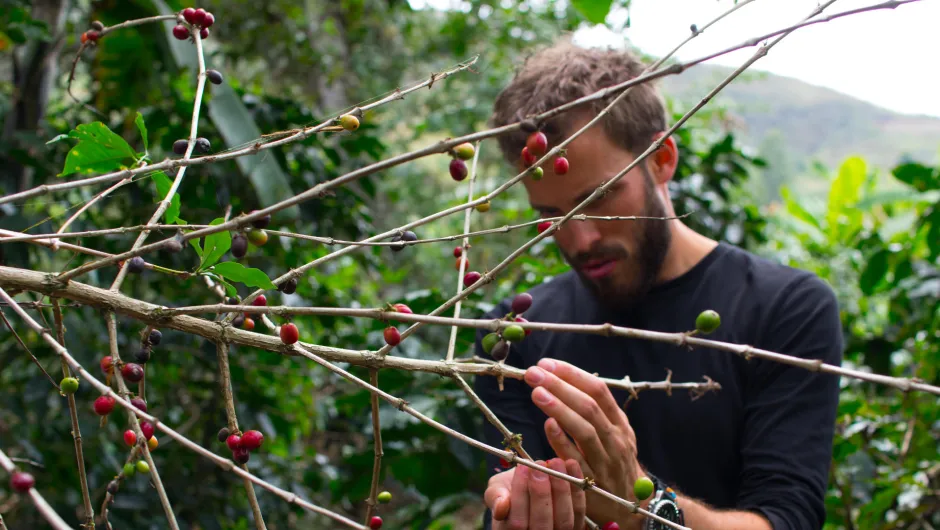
(875, 271)
(920, 177)
(845, 190)
(594, 10)
(98, 150)
(217, 245)
(163, 185)
(139, 121)
(796, 210)
(236, 272)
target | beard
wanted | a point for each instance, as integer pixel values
(621, 290)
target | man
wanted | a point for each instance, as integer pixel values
(754, 455)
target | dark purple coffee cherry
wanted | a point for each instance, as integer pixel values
(97, 25)
(203, 146)
(224, 434)
(140, 404)
(239, 320)
(409, 236)
(529, 125)
(132, 372)
(521, 303)
(113, 487)
(155, 336)
(241, 455)
(142, 355)
(136, 265)
(261, 222)
(214, 77)
(239, 246)
(399, 247)
(179, 146)
(289, 286)
(500, 351)
(173, 246)
(231, 300)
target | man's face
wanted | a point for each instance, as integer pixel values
(618, 260)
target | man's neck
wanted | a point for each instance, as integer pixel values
(687, 248)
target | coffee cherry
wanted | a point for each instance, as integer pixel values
(537, 143)
(97, 25)
(504, 463)
(129, 470)
(707, 321)
(258, 237)
(223, 434)
(249, 324)
(458, 169)
(132, 372)
(107, 364)
(234, 442)
(464, 151)
(561, 165)
(527, 331)
(241, 456)
(483, 207)
(179, 146)
(471, 278)
(489, 340)
(208, 20)
(392, 336)
(142, 466)
(104, 405)
(514, 333)
(261, 222)
(90, 36)
(643, 488)
(385, 497)
(214, 77)
(113, 487)
(464, 260)
(289, 333)
(22, 481)
(68, 385)
(199, 17)
(529, 125)
(181, 32)
(288, 286)
(139, 404)
(375, 523)
(458, 251)
(230, 300)
(130, 438)
(252, 440)
(173, 246)
(521, 303)
(543, 226)
(152, 443)
(239, 246)
(349, 122)
(238, 321)
(527, 157)
(147, 428)
(203, 145)
(188, 15)
(500, 351)
(142, 355)
(260, 301)
(537, 173)
(155, 336)
(136, 265)
(611, 525)
(402, 308)
(204, 33)
(399, 247)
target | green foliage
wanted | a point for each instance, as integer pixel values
(98, 150)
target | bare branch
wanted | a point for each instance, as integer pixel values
(41, 505)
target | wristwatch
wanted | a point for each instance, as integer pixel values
(663, 504)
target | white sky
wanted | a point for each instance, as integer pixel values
(888, 57)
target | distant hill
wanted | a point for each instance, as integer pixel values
(794, 123)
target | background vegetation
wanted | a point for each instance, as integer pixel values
(868, 224)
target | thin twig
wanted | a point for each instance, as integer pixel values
(451, 344)
(73, 414)
(41, 505)
(376, 448)
(25, 347)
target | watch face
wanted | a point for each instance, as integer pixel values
(668, 511)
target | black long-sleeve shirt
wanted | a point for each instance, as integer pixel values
(762, 443)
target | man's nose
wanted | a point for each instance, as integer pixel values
(579, 237)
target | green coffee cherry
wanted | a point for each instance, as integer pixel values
(707, 321)
(68, 385)
(129, 469)
(384, 497)
(643, 488)
(143, 466)
(514, 333)
(489, 341)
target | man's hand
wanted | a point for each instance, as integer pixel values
(580, 404)
(527, 499)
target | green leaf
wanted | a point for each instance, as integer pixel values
(920, 177)
(98, 150)
(229, 288)
(139, 121)
(217, 245)
(874, 272)
(796, 210)
(893, 196)
(845, 190)
(163, 185)
(236, 272)
(594, 10)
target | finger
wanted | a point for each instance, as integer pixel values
(562, 506)
(496, 496)
(587, 383)
(563, 446)
(578, 497)
(540, 499)
(582, 430)
(519, 499)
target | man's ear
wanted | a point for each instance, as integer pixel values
(663, 161)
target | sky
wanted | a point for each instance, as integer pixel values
(887, 57)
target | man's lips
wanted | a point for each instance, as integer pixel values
(599, 268)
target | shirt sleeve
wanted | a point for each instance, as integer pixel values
(513, 406)
(786, 443)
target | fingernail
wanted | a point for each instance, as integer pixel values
(541, 396)
(547, 364)
(534, 375)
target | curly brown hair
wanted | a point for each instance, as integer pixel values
(564, 72)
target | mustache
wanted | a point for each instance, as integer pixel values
(599, 254)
